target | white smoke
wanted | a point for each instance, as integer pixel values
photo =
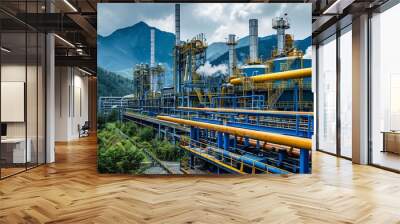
(308, 54)
(209, 70)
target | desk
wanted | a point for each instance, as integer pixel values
(391, 141)
(13, 150)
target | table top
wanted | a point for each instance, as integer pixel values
(391, 132)
(13, 140)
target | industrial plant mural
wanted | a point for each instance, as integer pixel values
(204, 88)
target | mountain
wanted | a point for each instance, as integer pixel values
(111, 84)
(215, 50)
(126, 47)
(265, 46)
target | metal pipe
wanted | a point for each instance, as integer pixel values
(292, 74)
(296, 142)
(249, 161)
(292, 152)
(244, 111)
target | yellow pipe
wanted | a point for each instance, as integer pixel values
(230, 110)
(296, 142)
(205, 155)
(292, 74)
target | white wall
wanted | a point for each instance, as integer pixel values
(71, 102)
(33, 126)
(14, 73)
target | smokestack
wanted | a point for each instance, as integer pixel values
(152, 48)
(177, 25)
(253, 30)
(281, 24)
(232, 54)
(152, 60)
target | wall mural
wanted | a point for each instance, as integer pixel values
(205, 88)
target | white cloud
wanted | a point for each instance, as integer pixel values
(209, 70)
(244, 11)
(165, 24)
(222, 32)
(282, 10)
(213, 12)
(308, 54)
(215, 20)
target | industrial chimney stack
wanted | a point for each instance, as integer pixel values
(232, 54)
(281, 24)
(152, 48)
(253, 30)
(152, 61)
(177, 25)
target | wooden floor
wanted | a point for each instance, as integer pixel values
(71, 191)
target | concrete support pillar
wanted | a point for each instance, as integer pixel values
(360, 90)
(50, 95)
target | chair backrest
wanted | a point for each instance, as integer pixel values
(86, 125)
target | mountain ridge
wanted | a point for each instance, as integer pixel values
(120, 51)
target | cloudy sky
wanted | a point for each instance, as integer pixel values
(216, 20)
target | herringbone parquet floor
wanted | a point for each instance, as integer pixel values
(71, 191)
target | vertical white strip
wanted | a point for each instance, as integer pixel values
(360, 90)
(152, 48)
(50, 109)
(314, 90)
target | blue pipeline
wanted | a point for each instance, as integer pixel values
(292, 132)
(252, 162)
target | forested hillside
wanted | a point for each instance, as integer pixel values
(111, 84)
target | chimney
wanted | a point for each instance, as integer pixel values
(253, 31)
(281, 24)
(152, 48)
(152, 61)
(177, 25)
(232, 54)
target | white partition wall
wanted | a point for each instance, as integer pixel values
(71, 102)
(22, 101)
(12, 98)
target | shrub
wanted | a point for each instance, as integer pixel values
(103, 119)
(129, 128)
(165, 150)
(122, 157)
(145, 134)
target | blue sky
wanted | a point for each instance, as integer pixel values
(216, 20)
